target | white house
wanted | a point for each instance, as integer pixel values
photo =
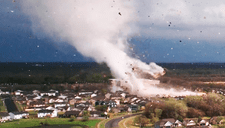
(95, 113)
(36, 92)
(60, 104)
(59, 100)
(63, 97)
(85, 93)
(165, 123)
(46, 112)
(51, 93)
(18, 92)
(50, 108)
(191, 123)
(37, 98)
(52, 100)
(18, 115)
(178, 123)
(78, 98)
(4, 116)
(93, 95)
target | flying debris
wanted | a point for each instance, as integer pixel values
(120, 13)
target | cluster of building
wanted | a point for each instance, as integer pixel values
(190, 122)
(53, 103)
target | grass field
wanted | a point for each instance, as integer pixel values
(19, 106)
(51, 121)
(128, 123)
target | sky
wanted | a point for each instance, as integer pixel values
(172, 31)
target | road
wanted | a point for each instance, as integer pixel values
(114, 122)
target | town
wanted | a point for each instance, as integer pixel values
(100, 103)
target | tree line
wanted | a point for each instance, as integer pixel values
(209, 105)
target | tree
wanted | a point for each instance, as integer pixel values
(219, 118)
(154, 119)
(192, 113)
(158, 112)
(104, 91)
(86, 115)
(155, 116)
(101, 107)
(141, 120)
(174, 109)
(150, 108)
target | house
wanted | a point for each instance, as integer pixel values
(116, 96)
(132, 107)
(78, 98)
(18, 115)
(36, 92)
(60, 100)
(178, 123)
(118, 109)
(37, 98)
(18, 92)
(20, 99)
(63, 109)
(117, 101)
(216, 120)
(52, 92)
(45, 112)
(165, 123)
(204, 122)
(111, 103)
(43, 93)
(35, 108)
(72, 113)
(4, 116)
(179, 97)
(91, 108)
(64, 98)
(50, 108)
(97, 99)
(189, 122)
(37, 103)
(30, 97)
(80, 108)
(86, 104)
(108, 95)
(52, 99)
(100, 103)
(85, 93)
(142, 103)
(96, 113)
(123, 95)
(93, 95)
(72, 101)
(60, 104)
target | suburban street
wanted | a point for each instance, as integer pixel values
(114, 122)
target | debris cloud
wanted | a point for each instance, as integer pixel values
(98, 29)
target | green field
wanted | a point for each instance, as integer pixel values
(19, 106)
(50, 121)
